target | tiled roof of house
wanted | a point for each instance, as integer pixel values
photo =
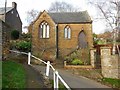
(2, 10)
(70, 17)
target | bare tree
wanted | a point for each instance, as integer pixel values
(31, 15)
(62, 7)
(108, 10)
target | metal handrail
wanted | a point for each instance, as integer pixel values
(56, 76)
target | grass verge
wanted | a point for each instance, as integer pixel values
(61, 86)
(115, 83)
(0, 74)
(13, 75)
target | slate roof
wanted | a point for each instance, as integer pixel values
(70, 17)
(2, 10)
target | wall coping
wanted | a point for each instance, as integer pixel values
(79, 66)
(92, 48)
(105, 47)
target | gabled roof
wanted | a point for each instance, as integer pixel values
(70, 17)
(2, 10)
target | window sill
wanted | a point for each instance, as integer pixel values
(67, 38)
(44, 38)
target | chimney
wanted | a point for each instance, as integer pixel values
(14, 5)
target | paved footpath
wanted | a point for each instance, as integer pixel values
(34, 78)
(72, 80)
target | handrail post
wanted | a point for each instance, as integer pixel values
(57, 80)
(47, 68)
(54, 79)
(29, 54)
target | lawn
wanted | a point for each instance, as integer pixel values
(13, 75)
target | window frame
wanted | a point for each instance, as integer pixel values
(67, 32)
(44, 30)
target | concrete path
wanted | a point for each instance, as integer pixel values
(73, 81)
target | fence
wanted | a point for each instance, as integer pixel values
(56, 76)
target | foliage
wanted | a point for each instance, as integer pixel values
(77, 62)
(13, 75)
(95, 39)
(98, 40)
(15, 34)
(23, 46)
(114, 82)
(26, 35)
(82, 54)
(13, 44)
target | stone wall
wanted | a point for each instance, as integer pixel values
(4, 40)
(93, 57)
(66, 46)
(57, 45)
(0, 40)
(44, 48)
(109, 63)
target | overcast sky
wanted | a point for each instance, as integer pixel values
(25, 5)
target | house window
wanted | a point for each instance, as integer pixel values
(67, 32)
(44, 30)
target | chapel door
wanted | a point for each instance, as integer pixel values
(82, 42)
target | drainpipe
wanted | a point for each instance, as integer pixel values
(31, 37)
(57, 50)
(5, 10)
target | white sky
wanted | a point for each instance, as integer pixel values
(25, 5)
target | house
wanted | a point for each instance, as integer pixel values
(58, 34)
(8, 22)
(11, 17)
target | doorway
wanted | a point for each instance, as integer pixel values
(82, 42)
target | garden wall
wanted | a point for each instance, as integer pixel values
(110, 64)
(0, 40)
(4, 39)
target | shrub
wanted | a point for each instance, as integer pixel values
(23, 46)
(77, 62)
(26, 35)
(15, 34)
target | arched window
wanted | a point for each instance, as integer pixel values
(67, 32)
(44, 30)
